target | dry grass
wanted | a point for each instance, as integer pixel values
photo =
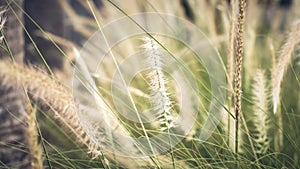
(239, 45)
(283, 62)
(44, 89)
(272, 140)
(35, 148)
(261, 118)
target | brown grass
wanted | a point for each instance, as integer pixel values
(44, 89)
(34, 147)
(238, 66)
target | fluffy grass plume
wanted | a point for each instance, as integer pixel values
(260, 117)
(159, 94)
(283, 62)
(239, 45)
(34, 146)
(45, 89)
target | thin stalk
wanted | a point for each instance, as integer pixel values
(172, 151)
(230, 66)
(44, 146)
(250, 140)
(7, 46)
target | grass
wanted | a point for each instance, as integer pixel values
(163, 111)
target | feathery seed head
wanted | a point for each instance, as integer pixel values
(260, 116)
(159, 94)
(283, 62)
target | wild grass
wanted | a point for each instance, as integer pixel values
(261, 117)
(83, 127)
(33, 144)
(239, 46)
(283, 61)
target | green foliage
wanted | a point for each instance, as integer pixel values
(266, 139)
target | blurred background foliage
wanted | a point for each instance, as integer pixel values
(52, 28)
